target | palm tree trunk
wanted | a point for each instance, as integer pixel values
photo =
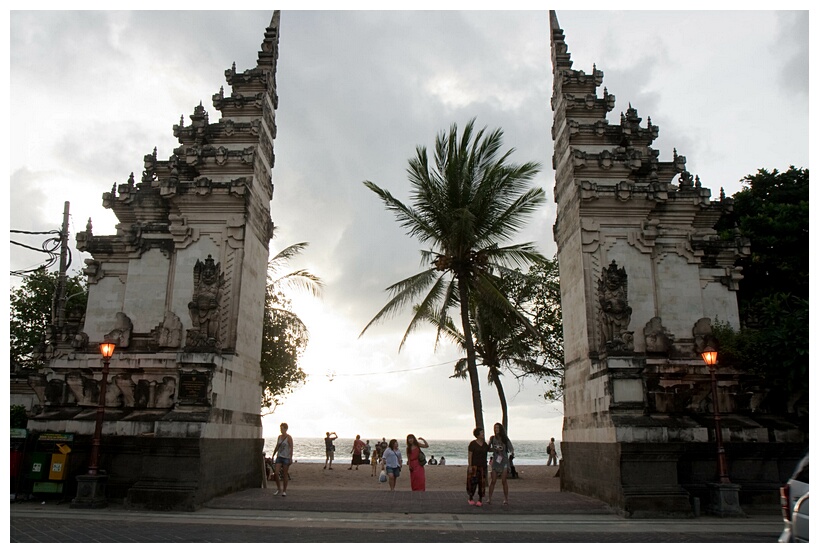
(471, 362)
(496, 381)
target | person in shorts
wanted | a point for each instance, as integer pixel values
(284, 449)
(393, 462)
(500, 447)
(329, 449)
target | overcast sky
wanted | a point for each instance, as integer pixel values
(92, 92)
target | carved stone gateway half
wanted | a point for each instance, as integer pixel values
(638, 430)
(180, 290)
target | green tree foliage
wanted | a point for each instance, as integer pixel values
(18, 418)
(285, 336)
(465, 202)
(524, 342)
(536, 295)
(772, 211)
(32, 315)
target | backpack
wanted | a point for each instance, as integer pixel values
(422, 459)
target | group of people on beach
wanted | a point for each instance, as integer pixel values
(388, 456)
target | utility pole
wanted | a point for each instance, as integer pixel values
(58, 315)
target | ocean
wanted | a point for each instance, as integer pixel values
(311, 450)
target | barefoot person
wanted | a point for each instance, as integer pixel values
(418, 479)
(358, 447)
(329, 449)
(476, 467)
(501, 448)
(284, 448)
(393, 462)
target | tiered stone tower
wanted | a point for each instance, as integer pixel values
(643, 274)
(180, 289)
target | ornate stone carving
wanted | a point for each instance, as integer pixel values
(92, 270)
(170, 331)
(623, 190)
(121, 334)
(84, 389)
(704, 336)
(616, 313)
(126, 387)
(204, 306)
(658, 339)
(79, 341)
(183, 235)
(165, 393)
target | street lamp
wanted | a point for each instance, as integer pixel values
(107, 350)
(91, 486)
(710, 358)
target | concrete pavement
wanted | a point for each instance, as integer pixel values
(256, 515)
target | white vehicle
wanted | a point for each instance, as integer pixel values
(794, 499)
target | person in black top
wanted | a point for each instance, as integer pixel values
(476, 467)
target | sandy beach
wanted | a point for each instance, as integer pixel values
(311, 476)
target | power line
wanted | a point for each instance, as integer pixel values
(395, 371)
(50, 247)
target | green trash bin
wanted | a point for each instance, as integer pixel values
(40, 465)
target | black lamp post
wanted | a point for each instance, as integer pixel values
(91, 486)
(710, 358)
(724, 494)
(107, 350)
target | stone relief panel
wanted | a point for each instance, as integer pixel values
(204, 305)
(612, 290)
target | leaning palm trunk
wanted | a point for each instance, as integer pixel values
(494, 377)
(471, 361)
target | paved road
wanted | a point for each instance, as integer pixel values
(256, 516)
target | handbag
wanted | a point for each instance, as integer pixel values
(422, 459)
(383, 476)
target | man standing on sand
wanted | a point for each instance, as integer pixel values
(551, 449)
(329, 449)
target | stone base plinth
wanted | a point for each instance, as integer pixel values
(725, 500)
(90, 492)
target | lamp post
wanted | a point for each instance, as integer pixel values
(91, 486)
(710, 358)
(724, 494)
(107, 350)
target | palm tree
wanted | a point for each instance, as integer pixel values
(284, 334)
(504, 338)
(463, 206)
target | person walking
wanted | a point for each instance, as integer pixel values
(375, 459)
(501, 449)
(329, 450)
(416, 461)
(358, 447)
(476, 467)
(284, 448)
(551, 449)
(393, 462)
(366, 452)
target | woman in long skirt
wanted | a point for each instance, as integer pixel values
(418, 479)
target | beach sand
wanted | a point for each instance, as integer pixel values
(447, 478)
